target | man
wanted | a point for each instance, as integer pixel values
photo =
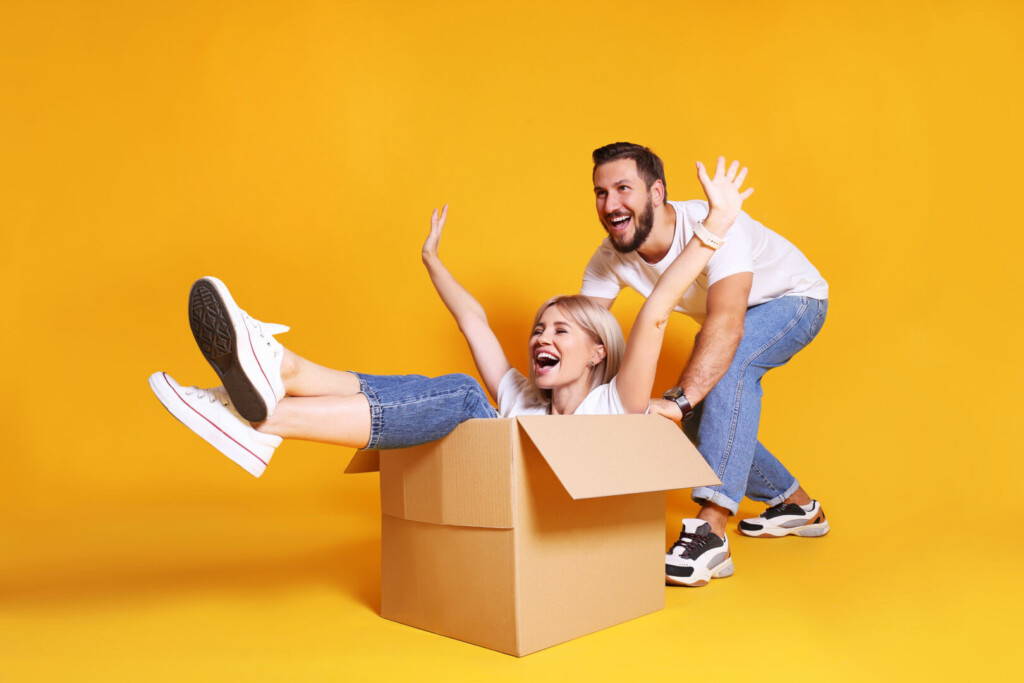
(759, 301)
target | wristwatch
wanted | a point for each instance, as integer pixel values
(676, 395)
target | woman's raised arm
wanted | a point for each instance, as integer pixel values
(636, 376)
(468, 313)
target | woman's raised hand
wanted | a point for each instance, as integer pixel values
(434, 238)
(723, 193)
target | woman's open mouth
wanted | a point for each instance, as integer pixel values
(545, 362)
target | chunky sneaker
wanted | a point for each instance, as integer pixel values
(698, 556)
(787, 518)
(240, 348)
(209, 413)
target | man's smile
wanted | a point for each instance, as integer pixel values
(619, 223)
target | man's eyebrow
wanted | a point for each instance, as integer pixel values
(616, 183)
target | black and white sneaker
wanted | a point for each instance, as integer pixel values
(787, 518)
(698, 556)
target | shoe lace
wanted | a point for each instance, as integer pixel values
(210, 395)
(265, 331)
(691, 545)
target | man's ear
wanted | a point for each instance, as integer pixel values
(657, 193)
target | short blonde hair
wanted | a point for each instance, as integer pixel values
(600, 324)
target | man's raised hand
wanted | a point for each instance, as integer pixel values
(723, 193)
(434, 238)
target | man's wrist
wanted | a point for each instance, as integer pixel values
(677, 396)
(717, 223)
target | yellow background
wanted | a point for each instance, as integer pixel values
(295, 149)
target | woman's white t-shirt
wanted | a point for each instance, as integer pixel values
(517, 397)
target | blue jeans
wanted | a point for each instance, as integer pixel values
(407, 410)
(724, 425)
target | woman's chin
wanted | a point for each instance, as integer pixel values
(552, 381)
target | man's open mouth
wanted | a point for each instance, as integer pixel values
(620, 223)
(545, 362)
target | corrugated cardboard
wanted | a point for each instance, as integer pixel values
(520, 533)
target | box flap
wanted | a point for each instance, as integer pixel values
(364, 461)
(608, 455)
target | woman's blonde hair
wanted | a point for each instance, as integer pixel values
(600, 324)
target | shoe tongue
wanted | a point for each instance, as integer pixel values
(696, 526)
(275, 328)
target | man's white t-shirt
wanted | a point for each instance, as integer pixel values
(517, 397)
(779, 268)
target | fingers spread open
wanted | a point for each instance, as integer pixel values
(702, 173)
(740, 177)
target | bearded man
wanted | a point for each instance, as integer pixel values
(759, 301)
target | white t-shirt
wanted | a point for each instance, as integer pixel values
(517, 397)
(779, 268)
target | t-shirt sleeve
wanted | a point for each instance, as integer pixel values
(512, 392)
(737, 254)
(599, 278)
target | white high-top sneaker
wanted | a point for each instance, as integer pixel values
(209, 413)
(240, 348)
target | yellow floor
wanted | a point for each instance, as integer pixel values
(241, 590)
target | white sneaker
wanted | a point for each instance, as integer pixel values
(787, 518)
(240, 348)
(209, 413)
(698, 556)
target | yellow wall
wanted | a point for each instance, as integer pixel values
(296, 150)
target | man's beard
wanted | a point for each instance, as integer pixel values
(642, 228)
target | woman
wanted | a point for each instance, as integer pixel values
(580, 364)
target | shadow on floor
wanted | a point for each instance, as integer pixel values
(351, 568)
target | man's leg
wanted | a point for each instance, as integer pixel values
(730, 415)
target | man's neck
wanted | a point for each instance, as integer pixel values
(663, 231)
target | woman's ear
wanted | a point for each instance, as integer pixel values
(597, 356)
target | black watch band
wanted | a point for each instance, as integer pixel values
(676, 395)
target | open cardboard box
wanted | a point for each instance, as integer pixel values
(520, 533)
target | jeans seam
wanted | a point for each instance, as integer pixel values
(430, 397)
(768, 483)
(376, 413)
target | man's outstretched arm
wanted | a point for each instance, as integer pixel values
(718, 337)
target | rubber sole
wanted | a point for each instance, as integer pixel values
(807, 531)
(722, 571)
(217, 336)
(205, 429)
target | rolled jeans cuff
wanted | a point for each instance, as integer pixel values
(712, 496)
(789, 492)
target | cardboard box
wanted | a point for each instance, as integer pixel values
(520, 533)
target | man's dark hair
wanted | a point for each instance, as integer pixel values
(648, 164)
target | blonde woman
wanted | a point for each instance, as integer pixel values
(580, 363)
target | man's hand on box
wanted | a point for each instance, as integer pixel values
(666, 408)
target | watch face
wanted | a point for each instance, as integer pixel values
(673, 393)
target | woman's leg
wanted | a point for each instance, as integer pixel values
(390, 411)
(305, 378)
(340, 420)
